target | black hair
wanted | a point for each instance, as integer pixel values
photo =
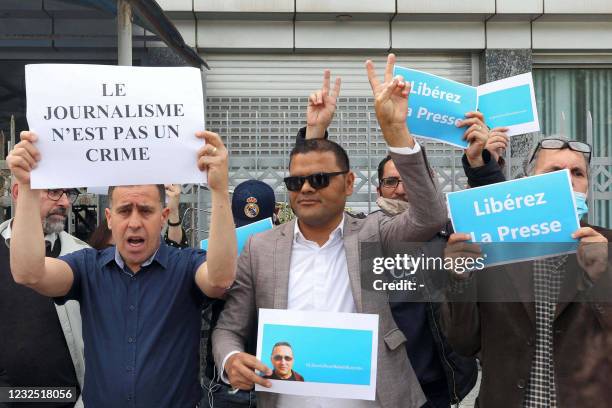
(381, 168)
(322, 145)
(101, 236)
(282, 343)
(161, 189)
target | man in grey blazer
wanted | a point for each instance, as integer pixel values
(313, 263)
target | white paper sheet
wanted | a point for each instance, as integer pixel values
(335, 353)
(100, 125)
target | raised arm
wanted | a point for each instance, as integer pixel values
(391, 104)
(175, 231)
(480, 160)
(47, 276)
(218, 272)
(427, 214)
(322, 107)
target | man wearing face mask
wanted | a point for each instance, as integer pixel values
(546, 324)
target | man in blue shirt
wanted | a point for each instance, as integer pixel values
(141, 300)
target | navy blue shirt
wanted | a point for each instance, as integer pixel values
(141, 331)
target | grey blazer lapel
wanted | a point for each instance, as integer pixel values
(282, 264)
(351, 248)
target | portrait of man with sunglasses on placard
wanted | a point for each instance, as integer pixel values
(282, 361)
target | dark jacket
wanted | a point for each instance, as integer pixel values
(504, 334)
(461, 371)
(412, 315)
(493, 315)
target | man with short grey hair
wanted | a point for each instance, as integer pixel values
(41, 343)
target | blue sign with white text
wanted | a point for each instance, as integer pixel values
(538, 210)
(435, 104)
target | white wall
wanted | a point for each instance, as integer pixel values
(405, 25)
(349, 26)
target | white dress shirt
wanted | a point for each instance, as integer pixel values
(319, 281)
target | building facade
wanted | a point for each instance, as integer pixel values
(266, 56)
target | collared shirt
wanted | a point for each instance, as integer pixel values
(6, 234)
(319, 280)
(547, 279)
(141, 331)
(318, 275)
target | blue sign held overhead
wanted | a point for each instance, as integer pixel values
(507, 107)
(537, 209)
(436, 104)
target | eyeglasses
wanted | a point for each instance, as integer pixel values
(278, 357)
(55, 194)
(558, 144)
(316, 181)
(390, 182)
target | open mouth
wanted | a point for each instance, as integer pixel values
(135, 242)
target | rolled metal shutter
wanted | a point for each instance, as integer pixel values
(257, 103)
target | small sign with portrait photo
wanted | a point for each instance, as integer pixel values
(320, 354)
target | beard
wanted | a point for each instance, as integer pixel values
(52, 226)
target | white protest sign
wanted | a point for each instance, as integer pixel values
(100, 125)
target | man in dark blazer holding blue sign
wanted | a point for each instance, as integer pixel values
(545, 324)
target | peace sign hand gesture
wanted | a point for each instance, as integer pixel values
(321, 107)
(391, 104)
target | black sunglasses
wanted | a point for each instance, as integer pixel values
(316, 181)
(558, 144)
(57, 193)
(278, 357)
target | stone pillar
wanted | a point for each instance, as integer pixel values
(502, 63)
